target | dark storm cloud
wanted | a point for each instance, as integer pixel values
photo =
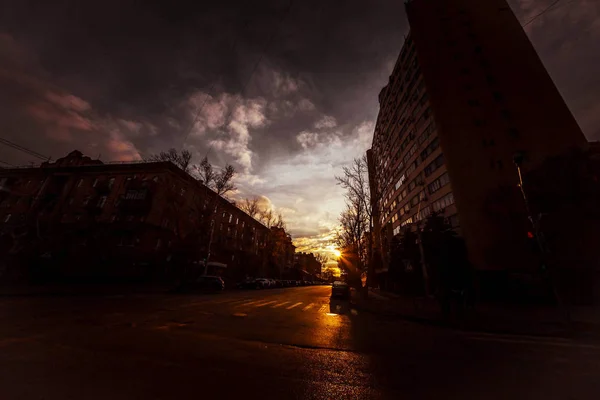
(286, 94)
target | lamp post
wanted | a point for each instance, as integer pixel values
(535, 222)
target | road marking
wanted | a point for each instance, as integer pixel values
(250, 302)
(265, 304)
(294, 305)
(323, 308)
(308, 307)
(280, 304)
(227, 301)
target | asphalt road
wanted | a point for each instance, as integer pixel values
(289, 343)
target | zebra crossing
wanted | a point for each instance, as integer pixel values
(249, 304)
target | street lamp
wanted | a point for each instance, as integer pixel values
(518, 159)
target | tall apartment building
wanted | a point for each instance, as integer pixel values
(79, 215)
(467, 93)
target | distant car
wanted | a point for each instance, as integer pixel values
(340, 289)
(209, 282)
(262, 283)
(250, 284)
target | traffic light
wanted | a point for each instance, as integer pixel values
(532, 242)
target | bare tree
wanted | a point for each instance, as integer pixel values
(358, 219)
(280, 223)
(321, 259)
(183, 158)
(267, 218)
(219, 181)
(250, 206)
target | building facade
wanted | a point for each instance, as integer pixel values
(79, 217)
(468, 93)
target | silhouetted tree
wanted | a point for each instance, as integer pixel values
(182, 158)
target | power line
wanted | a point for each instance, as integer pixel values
(6, 163)
(541, 13)
(23, 149)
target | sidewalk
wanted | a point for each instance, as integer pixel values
(529, 320)
(82, 289)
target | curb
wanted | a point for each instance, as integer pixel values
(457, 327)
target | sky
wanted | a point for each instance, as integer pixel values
(287, 94)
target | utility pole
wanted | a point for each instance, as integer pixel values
(535, 222)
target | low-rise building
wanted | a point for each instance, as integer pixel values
(79, 217)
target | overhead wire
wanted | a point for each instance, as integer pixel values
(541, 13)
(23, 149)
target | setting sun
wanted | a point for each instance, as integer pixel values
(337, 253)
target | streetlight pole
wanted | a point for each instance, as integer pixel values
(535, 222)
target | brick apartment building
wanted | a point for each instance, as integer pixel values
(467, 93)
(308, 264)
(79, 217)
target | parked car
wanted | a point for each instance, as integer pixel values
(208, 282)
(262, 283)
(340, 289)
(250, 284)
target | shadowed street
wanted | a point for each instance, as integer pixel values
(279, 343)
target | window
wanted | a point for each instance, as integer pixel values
(230, 217)
(437, 184)
(155, 179)
(434, 165)
(95, 182)
(7, 218)
(111, 182)
(80, 182)
(158, 243)
(182, 191)
(128, 179)
(414, 201)
(101, 202)
(430, 149)
(444, 202)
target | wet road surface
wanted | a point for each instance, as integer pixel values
(291, 343)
